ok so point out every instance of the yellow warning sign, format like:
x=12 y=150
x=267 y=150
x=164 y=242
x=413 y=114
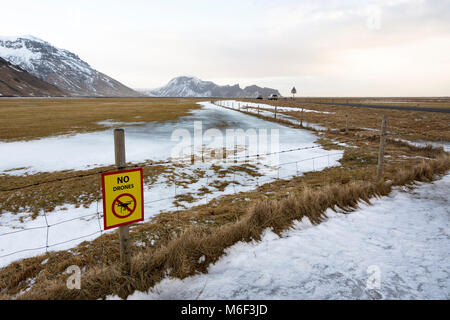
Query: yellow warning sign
x=123 y=198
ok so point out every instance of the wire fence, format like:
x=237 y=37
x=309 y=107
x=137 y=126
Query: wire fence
x=276 y=113
x=236 y=187
x=176 y=162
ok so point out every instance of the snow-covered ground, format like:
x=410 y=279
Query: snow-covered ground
x=235 y=104
x=443 y=144
x=151 y=140
x=269 y=111
x=145 y=141
x=398 y=248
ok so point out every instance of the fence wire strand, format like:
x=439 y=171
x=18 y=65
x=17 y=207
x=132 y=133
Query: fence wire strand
x=99 y=213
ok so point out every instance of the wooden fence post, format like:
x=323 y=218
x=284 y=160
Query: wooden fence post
x=381 y=149
x=203 y=157
x=346 y=124
x=124 y=231
x=301 y=119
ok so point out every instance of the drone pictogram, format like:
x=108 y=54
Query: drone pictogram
x=124 y=205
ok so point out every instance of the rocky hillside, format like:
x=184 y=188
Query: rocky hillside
x=194 y=87
x=60 y=67
x=16 y=82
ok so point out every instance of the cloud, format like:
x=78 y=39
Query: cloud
x=323 y=47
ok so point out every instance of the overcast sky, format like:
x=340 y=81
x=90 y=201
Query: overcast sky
x=324 y=48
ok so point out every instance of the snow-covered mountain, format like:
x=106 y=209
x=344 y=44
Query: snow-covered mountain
x=16 y=82
x=60 y=67
x=185 y=86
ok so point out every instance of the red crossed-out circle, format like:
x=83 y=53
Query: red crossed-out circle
x=118 y=203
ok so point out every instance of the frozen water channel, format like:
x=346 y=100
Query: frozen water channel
x=148 y=141
x=152 y=141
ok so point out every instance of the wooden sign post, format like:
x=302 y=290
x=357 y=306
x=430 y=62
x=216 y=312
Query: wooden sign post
x=123 y=199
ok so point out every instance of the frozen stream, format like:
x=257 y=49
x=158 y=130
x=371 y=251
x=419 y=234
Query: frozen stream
x=143 y=142
x=151 y=140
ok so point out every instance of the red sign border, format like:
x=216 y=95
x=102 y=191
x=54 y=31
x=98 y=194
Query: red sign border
x=104 y=202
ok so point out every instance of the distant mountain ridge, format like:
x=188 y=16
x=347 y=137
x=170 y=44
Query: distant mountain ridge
x=60 y=67
x=16 y=82
x=186 y=86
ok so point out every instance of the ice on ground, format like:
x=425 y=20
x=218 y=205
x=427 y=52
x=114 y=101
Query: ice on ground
x=269 y=111
x=111 y=123
x=243 y=104
x=444 y=144
x=144 y=142
x=149 y=141
x=395 y=249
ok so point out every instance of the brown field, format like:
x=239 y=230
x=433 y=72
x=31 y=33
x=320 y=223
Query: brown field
x=173 y=240
x=438 y=102
x=25 y=119
x=408 y=125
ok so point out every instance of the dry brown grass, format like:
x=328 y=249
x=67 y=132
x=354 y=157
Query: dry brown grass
x=409 y=125
x=25 y=119
x=428 y=102
x=176 y=240
x=64 y=190
x=82 y=188
x=178 y=256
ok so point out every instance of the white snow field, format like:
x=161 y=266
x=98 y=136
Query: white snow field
x=145 y=141
x=398 y=248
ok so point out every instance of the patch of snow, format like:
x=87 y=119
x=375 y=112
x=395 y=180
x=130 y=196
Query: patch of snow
x=261 y=109
x=20 y=55
x=111 y=123
x=235 y=104
x=149 y=141
x=444 y=144
x=396 y=248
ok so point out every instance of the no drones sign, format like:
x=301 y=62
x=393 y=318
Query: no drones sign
x=122 y=198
